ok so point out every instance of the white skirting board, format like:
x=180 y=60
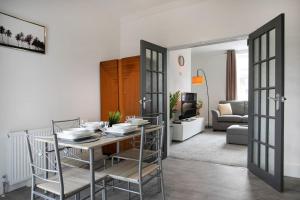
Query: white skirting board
x=292 y=170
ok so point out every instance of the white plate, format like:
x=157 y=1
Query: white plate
x=124 y=127
x=74 y=134
x=119 y=131
x=92 y=126
x=139 y=122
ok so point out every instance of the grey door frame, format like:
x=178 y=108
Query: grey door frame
x=153 y=47
x=276 y=180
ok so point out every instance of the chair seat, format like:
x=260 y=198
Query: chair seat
x=128 y=170
x=74 y=179
x=134 y=154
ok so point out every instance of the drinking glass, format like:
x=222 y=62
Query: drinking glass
x=106 y=125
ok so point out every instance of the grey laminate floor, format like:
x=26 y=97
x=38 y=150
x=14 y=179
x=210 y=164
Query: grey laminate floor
x=196 y=180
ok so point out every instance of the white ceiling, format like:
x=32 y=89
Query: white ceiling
x=236 y=45
x=127 y=7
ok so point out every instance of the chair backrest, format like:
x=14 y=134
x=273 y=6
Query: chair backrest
x=157 y=137
x=40 y=170
x=58 y=126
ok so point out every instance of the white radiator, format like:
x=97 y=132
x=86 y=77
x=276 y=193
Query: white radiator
x=18 y=159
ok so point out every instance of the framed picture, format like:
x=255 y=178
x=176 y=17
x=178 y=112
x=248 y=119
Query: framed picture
x=22 y=34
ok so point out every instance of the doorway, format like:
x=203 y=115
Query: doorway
x=260 y=151
x=210 y=145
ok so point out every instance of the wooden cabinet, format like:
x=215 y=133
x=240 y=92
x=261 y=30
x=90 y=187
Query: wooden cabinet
x=109 y=88
x=129 y=86
x=120 y=90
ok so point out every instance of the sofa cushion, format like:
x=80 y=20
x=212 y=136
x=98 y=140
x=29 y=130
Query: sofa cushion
x=230 y=118
x=238 y=107
x=225 y=109
x=246 y=107
x=245 y=119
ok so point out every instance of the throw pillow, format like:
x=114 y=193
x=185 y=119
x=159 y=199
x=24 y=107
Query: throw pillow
x=225 y=109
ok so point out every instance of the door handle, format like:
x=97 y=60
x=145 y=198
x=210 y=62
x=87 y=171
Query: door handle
x=144 y=101
x=278 y=99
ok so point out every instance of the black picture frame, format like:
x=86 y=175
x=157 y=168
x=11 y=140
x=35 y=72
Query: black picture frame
x=22 y=34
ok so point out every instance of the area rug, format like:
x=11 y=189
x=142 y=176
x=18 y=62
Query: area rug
x=210 y=146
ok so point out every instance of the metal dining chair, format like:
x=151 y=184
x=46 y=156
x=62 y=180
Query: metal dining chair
x=139 y=170
x=53 y=182
x=150 y=141
x=72 y=157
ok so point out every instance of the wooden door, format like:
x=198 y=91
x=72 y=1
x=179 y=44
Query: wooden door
x=129 y=87
x=266 y=102
x=120 y=90
x=129 y=91
x=109 y=88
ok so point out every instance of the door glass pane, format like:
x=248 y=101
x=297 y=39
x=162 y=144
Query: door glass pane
x=271 y=103
x=256 y=49
x=160 y=103
x=263 y=130
x=148 y=59
x=160 y=82
x=255 y=152
x=256 y=76
x=154 y=60
x=262 y=156
x=154 y=103
x=263 y=102
x=271 y=161
x=256 y=96
x=148 y=104
x=263 y=74
x=272 y=132
x=256 y=128
x=148 y=81
x=263 y=46
x=272 y=43
x=272 y=73
x=160 y=62
x=154 y=82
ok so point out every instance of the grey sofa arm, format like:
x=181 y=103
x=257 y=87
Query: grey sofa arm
x=215 y=115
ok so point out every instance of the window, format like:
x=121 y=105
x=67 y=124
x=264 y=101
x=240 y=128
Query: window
x=242 y=75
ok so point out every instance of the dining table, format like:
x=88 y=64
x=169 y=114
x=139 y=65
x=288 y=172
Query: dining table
x=103 y=140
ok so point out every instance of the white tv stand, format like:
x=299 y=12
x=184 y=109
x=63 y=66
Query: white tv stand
x=188 y=128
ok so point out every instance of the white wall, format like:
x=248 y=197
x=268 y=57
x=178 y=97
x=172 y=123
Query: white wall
x=194 y=21
x=179 y=77
x=214 y=66
x=64 y=83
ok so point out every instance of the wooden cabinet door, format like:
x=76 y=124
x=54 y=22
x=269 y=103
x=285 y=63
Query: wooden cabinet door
x=109 y=88
x=129 y=86
x=120 y=90
x=129 y=91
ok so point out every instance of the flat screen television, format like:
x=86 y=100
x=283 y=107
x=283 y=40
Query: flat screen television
x=188 y=105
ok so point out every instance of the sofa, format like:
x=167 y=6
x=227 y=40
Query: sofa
x=239 y=116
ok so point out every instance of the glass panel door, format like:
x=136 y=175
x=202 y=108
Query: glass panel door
x=266 y=81
x=154 y=83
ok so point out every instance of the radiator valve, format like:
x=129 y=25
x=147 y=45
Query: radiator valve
x=4 y=184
